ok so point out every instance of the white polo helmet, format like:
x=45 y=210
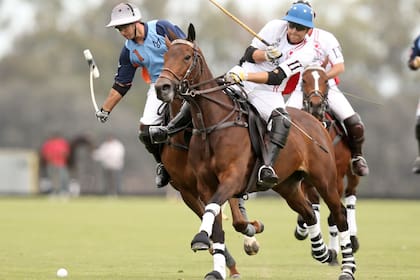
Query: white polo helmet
x=124 y=13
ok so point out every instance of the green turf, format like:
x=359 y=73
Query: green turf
x=144 y=238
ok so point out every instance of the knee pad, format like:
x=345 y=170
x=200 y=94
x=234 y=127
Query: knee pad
x=280 y=126
x=144 y=137
x=355 y=128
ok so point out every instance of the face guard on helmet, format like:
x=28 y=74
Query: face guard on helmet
x=301 y=14
x=124 y=13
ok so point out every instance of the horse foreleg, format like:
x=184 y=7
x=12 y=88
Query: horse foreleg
x=218 y=252
x=338 y=212
x=334 y=243
x=348 y=264
x=301 y=231
x=251 y=244
x=240 y=219
x=201 y=240
x=297 y=201
x=350 y=202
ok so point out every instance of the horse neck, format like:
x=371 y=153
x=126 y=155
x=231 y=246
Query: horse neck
x=212 y=106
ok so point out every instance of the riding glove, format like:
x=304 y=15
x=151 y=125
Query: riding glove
x=272 y=53
x=236 y=75
x=102 y=115
x=416 y=62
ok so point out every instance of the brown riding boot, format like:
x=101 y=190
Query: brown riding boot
x=355 y=131
x=267 y=177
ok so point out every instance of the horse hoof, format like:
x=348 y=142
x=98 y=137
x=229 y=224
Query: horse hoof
x=354 y=243
x=333 y=258
x=300 y=236
x=251 y=246
x=214 y=275
x=235 y=276
x=346 y=276
x=200 y=242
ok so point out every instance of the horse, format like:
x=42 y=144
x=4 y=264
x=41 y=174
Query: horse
x=315 y=90
x=222 y=157
x=174 y=155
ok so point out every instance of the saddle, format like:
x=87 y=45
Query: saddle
x=331 y=122
x=257 y=127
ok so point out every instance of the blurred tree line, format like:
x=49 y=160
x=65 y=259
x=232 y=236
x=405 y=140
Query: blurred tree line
x=45 y=86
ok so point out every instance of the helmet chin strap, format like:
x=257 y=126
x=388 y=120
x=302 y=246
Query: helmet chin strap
x=135 y=31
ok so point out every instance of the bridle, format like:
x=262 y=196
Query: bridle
x=184 y=84
x=187 y=89
x=315 y=92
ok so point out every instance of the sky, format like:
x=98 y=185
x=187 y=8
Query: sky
x=16 y=25
x=18 y=17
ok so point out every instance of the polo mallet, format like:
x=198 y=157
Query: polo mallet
x=240 y=23
x=93 y=73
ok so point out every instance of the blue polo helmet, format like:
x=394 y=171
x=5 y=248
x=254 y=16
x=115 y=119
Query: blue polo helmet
x=301 y=14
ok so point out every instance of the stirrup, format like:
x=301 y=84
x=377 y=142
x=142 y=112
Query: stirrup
x=359 y=166
x=267 y=176
x=162 y=176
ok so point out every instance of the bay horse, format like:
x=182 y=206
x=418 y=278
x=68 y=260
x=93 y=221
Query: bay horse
x=174 y=156
x=222 y=158
x=315 y=90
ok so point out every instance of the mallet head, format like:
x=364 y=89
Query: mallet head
x=89 y=58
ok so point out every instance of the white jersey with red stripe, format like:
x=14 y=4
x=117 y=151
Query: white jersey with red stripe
x=295 y=57
x=327 y=45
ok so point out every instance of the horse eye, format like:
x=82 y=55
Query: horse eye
x=187 y=57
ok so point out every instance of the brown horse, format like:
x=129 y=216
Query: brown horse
x=222 y=158
x=315 y=101
x=175 y=158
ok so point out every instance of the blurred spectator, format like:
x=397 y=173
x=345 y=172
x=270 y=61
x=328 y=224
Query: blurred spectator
x=110 y=154
x=54 y=155
x=414 y=64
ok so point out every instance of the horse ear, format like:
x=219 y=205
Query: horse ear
x=191 y=33
x=167 y=42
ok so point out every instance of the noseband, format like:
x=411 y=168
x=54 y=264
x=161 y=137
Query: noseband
x=185 y=84
x=315 y=92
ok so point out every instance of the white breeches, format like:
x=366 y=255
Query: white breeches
x=266 y=101
x=337 y=102
x=150 y=111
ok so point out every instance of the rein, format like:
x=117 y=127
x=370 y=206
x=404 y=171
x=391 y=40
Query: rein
x=188 y=90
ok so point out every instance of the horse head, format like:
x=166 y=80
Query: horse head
x=182 y=68
x=315 y=90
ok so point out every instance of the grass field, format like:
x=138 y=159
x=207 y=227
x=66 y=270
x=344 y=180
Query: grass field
x=149 y=238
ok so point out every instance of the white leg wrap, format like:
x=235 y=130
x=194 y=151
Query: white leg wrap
x=219 y=262
x=211 y=211
x=317 y=209
x=344 y=238
x=333 y=241
x=351 y=214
